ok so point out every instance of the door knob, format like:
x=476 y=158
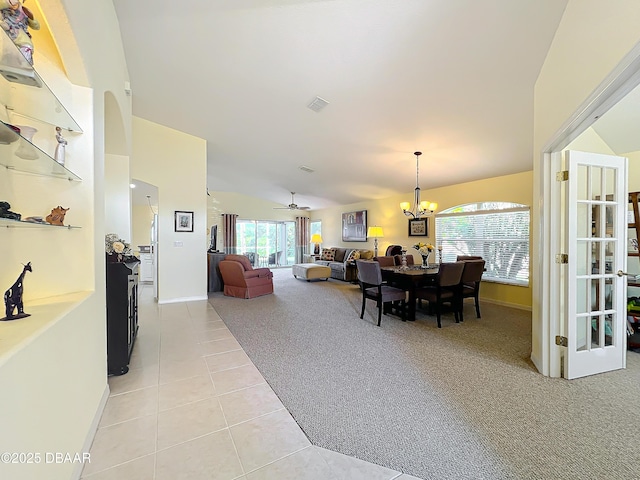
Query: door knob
x=621 y=274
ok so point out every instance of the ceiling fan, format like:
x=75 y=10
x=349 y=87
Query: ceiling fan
x=292 y=205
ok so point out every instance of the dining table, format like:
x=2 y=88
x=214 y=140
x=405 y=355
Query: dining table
x=410 y=278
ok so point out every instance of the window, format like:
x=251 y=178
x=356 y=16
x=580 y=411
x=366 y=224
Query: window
x=266 y=243
x=496 y=231
x=315 y=227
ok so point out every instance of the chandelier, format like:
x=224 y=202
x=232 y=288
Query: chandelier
x=420 y=208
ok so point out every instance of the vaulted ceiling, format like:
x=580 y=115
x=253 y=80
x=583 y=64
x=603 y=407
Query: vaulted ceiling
x=452 y=78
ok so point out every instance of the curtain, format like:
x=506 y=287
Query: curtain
x=302 y=238
x=229 y=240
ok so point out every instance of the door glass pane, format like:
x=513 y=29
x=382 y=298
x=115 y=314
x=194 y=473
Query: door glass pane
x=609 y=251
x=582 y=333
x=584 y=220
x=610 y=182
x=608 y=331
x=582 y=258
x=610 y=212
x=596 y=183
x=595 y=257
x=595 y=294
x=608 y=293
x=582 y=296
x=582 y=182
x=596 y=323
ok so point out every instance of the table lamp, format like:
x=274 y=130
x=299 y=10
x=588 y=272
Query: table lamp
x=317 y=239
x=375 y=233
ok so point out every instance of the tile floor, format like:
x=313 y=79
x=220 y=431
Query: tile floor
x=193 y=406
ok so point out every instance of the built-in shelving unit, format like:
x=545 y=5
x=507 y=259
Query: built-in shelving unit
x=24 y=95
x=8 y=223
x=33 y=159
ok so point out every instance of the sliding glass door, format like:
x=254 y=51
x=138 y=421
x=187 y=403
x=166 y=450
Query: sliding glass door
x=267 y=243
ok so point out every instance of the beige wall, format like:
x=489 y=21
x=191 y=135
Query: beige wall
x=117 y=196
x=592 y=39
x=175 y=162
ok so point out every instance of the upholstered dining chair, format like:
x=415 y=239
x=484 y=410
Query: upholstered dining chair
x=398 y=259
x=385 y=261
x=242 y=280
x=370 y=277
x=393 y=250
x=445 y=289
x=471 y=278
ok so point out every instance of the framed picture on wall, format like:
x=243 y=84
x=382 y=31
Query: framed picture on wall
x=354 y=226
x=183 y=221
x=418 y=227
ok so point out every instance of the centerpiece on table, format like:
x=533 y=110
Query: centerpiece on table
x=424 y=249
x=117 y=249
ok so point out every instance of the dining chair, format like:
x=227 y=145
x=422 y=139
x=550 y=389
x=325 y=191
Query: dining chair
x=471 y=278
x=393 y=250
x=373 y=288
x=445 y=289
x=386 y=261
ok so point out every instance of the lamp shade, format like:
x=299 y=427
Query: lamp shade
x=316 y=238
x=375 y=232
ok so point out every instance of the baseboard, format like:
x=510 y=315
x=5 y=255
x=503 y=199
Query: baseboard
x=505 y=304
x=77 y=471
x=183 y=299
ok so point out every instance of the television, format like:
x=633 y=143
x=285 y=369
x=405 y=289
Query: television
x=214 y=239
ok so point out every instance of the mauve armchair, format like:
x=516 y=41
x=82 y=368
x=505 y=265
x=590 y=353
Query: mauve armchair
x=242 y=280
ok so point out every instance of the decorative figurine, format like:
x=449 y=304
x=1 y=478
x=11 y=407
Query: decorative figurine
x=16 y=20
x=56 y=217
x=26 y=150
x=13 y=297
x=60 y=148
x=6 y=213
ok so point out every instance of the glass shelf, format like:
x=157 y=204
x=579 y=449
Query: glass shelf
x=23 y=91
x=8 y=223
x=18 y=153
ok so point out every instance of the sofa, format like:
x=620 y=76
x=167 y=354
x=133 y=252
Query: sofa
x=242 y=280
x=342 y=261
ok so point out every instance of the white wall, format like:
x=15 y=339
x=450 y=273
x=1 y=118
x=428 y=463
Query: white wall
x=592 y=38
x=175 y=162
x=117 y=196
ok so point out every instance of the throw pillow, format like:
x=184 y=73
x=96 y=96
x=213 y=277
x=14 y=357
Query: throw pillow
x=328 y=254
x=366 y=254
x=354 y=255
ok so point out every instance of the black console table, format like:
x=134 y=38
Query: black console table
x=122 y=314
x=215 y=283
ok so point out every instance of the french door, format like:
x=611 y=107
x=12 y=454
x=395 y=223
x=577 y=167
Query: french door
x=594 y=238
x=266 y=243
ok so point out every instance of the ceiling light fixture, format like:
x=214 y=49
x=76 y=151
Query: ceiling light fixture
x=420 y=208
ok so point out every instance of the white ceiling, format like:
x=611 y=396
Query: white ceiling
x=452 y=78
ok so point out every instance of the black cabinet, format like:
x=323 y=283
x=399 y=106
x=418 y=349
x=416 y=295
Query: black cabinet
x=215 y=283
x=122 y=314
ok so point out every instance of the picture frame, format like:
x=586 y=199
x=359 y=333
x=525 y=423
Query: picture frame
x=183 y=221
x=354 y=226
x=418 y=227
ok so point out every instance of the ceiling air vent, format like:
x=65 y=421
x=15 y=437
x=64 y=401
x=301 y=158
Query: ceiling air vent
x=318 y=104
x=304 y=168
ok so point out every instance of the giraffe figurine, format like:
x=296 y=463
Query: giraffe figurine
x=13 y=297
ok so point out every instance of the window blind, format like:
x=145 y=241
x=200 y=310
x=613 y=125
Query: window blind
x=500 y=236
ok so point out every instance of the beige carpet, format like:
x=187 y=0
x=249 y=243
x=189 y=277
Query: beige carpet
x=459 y=402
